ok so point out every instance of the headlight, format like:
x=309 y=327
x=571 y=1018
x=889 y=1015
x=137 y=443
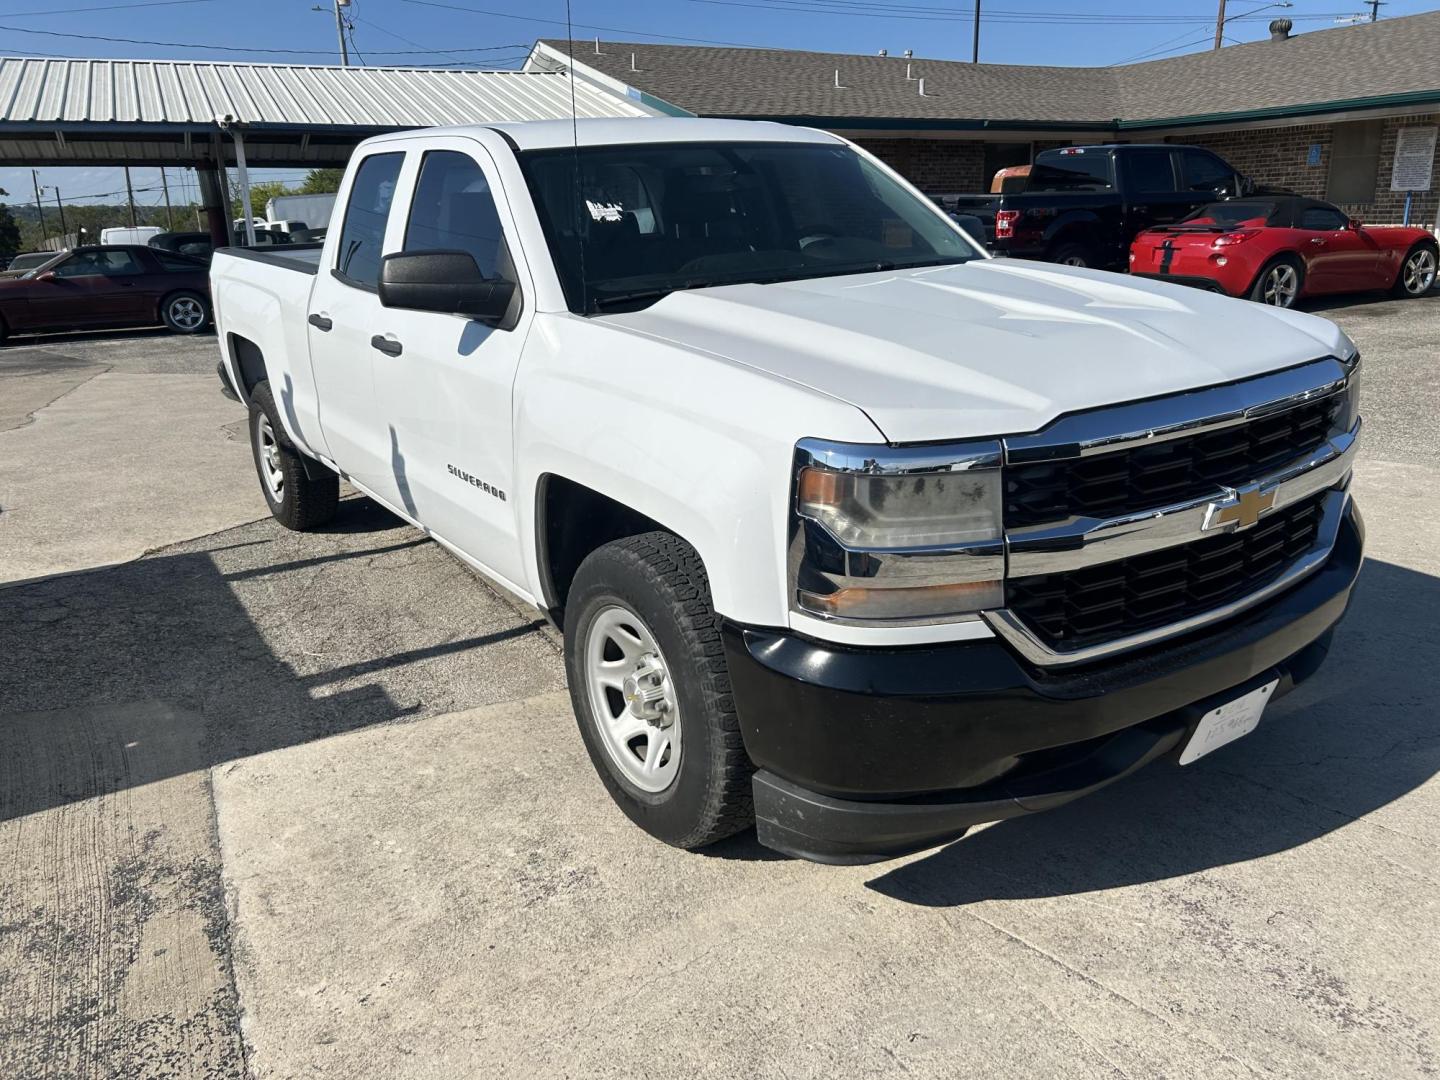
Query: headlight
x=887 y=535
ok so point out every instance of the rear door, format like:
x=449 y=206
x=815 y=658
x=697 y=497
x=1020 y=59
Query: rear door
x=343 y=312
x=445 y=399
x=1152 y=189
x=1338 y=258
x=1205 y=177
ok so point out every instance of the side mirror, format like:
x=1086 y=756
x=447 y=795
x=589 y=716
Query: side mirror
x=1244 y=186
x=449 y=282
x=48 y=275
x=1354 y=223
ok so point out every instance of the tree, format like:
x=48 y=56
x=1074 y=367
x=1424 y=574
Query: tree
x=260 y=194
x=321 y=182
x=9 y=231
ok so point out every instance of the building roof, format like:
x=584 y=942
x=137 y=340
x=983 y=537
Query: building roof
x=170 y=94
x=1387 y=62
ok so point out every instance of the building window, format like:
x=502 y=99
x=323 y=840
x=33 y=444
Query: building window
x=1354 y=161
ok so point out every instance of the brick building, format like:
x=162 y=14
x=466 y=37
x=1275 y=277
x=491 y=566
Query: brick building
x=1317 y=113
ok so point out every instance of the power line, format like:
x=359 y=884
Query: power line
x=585 y=26
x=103 y=7
x=216 y=48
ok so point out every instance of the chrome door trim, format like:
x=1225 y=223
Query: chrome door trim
x=1014 y=630
x=1084 y=542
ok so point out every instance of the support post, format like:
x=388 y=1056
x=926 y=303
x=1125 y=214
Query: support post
x=244 y=185
x=217 y=206
x=39 y=207
x=975 y=37
x=169 y=214
x=64 y=231
x=130 y=195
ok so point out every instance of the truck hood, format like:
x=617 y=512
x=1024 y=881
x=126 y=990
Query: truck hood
x=985 y=348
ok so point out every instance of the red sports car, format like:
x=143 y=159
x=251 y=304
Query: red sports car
x=1276 y=249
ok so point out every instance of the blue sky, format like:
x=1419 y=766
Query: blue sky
x=413 y=32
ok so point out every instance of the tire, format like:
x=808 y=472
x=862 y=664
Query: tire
x=1279 y=283
x=297 y=501
x=654 y=587
x=185 y=312
x=1417 y=272
x=1074 y=253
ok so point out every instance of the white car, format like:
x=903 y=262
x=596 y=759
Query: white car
x=853 y=531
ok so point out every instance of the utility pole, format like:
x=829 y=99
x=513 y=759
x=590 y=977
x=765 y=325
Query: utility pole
x=64 y=229
x=1375 y=9
x=130 y=194
x=975 y=37
x=165 y=187
x=340 y=29
x=1220 y=25
x=39 y=207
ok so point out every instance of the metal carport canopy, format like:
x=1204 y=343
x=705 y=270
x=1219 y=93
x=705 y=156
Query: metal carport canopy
x=168 y=112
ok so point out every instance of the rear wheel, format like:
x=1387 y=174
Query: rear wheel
x=652 y=693
x=1074 y=253
x=296 y=500
x=1279 y=283
x=185 y=312
x=1417 y=271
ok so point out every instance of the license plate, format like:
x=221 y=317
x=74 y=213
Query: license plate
x=1227 y=723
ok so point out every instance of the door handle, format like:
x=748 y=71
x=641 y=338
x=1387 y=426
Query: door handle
x=321 y=322
x=1318 y=241
x=389 y=346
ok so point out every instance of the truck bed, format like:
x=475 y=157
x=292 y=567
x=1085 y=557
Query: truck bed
x=302 y=257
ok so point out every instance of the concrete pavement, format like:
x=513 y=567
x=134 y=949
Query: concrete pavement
x=314 y=805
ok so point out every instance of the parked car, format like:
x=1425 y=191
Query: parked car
x=853 y=531
x=92 y=287
x=1278 y=249
x=1082 y=205
x=26 y=261
x=139 y=234
x=198 y=244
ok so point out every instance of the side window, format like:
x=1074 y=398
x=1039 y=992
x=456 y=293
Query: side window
x=1322 y=219
x=362 y=234
x=173 y=263
x=1150 y=172
x=112 y=262
x=453 y=210
x=1205 y=172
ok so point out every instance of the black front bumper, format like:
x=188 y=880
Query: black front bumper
x=865 y=754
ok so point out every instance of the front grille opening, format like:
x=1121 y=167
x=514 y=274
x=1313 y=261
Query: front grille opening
x=1098 y=604
x=1109 y=485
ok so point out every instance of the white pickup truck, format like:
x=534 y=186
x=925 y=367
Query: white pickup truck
x=853 y=531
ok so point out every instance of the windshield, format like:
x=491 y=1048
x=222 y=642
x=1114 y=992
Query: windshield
x=643 y=221
x=1231 y=214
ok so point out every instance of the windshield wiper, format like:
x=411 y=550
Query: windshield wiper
x=598 y=303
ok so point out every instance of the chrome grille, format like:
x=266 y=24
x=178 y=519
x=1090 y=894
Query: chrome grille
x=1162 y=473
x=1099 y=603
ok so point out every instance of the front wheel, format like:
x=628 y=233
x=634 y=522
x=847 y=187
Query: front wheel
x=1279 y=283
x=185 y=312
x=1417 y=272
x=651 y=691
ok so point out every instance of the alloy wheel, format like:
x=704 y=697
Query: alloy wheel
x=187 y=313
x=1281 y=286
x=632 y=698
x=1418 y=273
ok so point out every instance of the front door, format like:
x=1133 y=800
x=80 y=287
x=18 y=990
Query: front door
x=344 y=310
x=1338 y=258
x=446 y=398
x=94 y=287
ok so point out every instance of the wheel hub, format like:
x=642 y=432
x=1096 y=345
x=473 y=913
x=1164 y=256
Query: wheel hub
x=645 y=692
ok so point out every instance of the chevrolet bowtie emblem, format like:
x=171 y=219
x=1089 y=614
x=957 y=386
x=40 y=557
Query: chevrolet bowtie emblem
x=1242 y=508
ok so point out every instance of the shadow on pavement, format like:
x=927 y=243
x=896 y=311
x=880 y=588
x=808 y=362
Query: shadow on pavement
x=19 y=341
x=1361 y=734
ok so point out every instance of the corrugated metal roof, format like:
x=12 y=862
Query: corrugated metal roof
x=164 y=92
